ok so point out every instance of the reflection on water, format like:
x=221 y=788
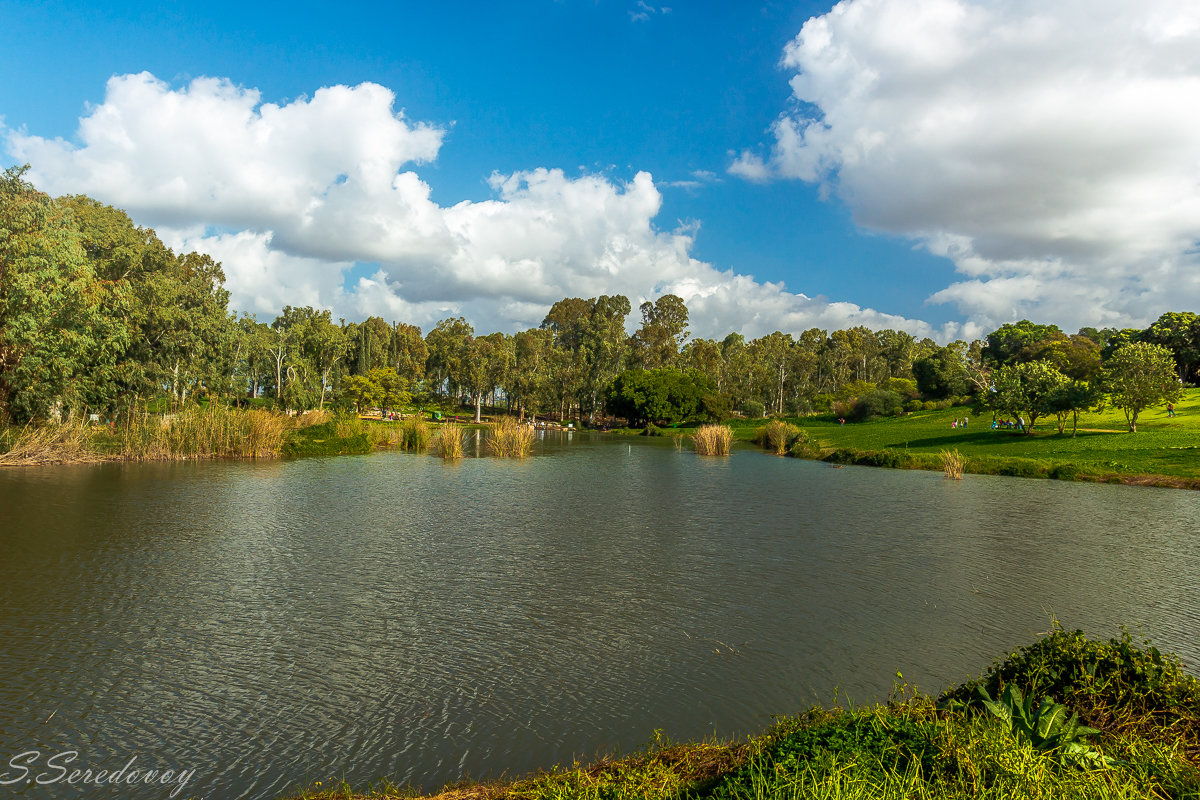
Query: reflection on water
x=393 y=615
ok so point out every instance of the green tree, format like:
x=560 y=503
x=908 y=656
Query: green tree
x=49 y=306
x=942 y=373
x=446 y=365
x=1028 y=388
x=662 y=395
x=663 y=332
x=1179 y=332
x=1139 y=375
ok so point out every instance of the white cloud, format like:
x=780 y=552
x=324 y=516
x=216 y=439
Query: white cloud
x=1051 y=149
x=306 y=190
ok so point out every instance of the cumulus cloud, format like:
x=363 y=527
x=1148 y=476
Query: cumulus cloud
x=1052 y=150
x=291 y=197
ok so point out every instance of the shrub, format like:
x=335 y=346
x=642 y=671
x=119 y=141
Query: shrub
x=754 y=409
x=878 y=403
x=1113 y=685
x=716 y=407
x=652 y=430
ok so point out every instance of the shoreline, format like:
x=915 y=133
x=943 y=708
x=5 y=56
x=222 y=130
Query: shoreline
x=1140 y=707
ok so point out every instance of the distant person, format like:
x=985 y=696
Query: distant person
x=1170 y=409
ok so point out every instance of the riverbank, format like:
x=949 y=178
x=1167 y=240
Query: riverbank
x=1164 y=452
x=1065 y=717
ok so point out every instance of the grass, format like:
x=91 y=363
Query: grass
x=510 y=439
x=1147 y=710
x=448 y=440
x=713 y=440
x=1164 y=452
x=952 y=464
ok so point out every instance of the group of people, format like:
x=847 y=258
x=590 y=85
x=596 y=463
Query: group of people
x=1008 y=424
x=959 y=423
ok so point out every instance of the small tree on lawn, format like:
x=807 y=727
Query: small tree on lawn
x=1029 y=388
x=1140 y=375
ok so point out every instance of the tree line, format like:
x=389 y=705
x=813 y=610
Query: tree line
x=97 y=315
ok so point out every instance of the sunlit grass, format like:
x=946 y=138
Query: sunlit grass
x=713 y=440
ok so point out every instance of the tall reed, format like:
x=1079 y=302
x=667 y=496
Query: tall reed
x=713 y=440
x=448 y=440
x=777 y=436
x=415 y=434
x=953 y=463
x=510 y=439
x=215 y=432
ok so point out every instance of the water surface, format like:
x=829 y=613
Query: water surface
x=270 y=624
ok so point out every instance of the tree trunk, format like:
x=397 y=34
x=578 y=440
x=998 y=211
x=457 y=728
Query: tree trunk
x=478 y=406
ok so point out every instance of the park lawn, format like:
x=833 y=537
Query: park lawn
x=1103 y=446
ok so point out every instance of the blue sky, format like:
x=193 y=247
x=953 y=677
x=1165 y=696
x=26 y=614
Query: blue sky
x=862 y=214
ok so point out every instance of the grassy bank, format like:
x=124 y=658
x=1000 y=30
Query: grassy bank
x=1064 y=717
x=1164 y=452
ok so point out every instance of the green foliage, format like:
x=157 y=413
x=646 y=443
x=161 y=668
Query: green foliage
x=941 y=374
x=716 y=407
x=1140 y=375
x=1028 y=389
x=753 y=409
x=1046 y=726
x=1113 y=685
x=658 y=395
x=878 y=403
x=345 y=436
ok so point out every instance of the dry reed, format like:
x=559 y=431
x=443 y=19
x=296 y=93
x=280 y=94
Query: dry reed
x=777 y=436
x=510 y=439
x=448 y=441
x=215 y=432
x=953 y=463
x=713 y=440
x=69 y=443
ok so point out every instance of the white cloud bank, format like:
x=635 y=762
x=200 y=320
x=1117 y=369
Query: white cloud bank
x=289 y=197
x=1052 y=150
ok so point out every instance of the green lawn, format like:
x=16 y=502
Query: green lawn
x=1162 y=445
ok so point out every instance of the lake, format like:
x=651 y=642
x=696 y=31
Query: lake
x=275 y=623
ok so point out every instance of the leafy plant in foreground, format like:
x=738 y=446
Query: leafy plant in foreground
x=1046 y=726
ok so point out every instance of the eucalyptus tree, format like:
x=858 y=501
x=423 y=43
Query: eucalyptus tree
x=445 y=366
x=662 y=333
x=590 y=336
x=408 y=353
x=530 y=379
x=772 y=355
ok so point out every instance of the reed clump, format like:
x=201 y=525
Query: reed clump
x=510 y=439
x=315 y=417
x=415 y=435
x=777 y=436
x=448 y=440
x=713 y=440
x=213 y=432
x=67 y=443
x=953 y=463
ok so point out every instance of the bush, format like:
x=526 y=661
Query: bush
x=754 y=409
x=878 y=403
x=716 y=407
x=1113 y=685
x=652 y=430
